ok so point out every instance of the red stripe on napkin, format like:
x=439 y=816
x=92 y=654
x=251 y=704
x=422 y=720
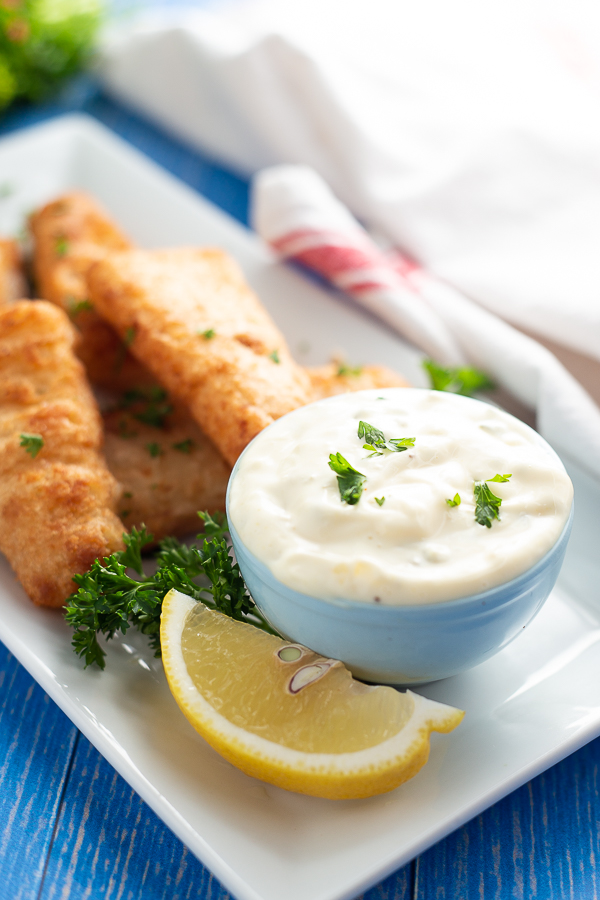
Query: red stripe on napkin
x=350 y=261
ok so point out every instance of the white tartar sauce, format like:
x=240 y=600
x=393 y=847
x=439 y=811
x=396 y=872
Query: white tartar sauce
x=411 y=546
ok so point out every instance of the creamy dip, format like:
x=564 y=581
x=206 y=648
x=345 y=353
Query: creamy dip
x=412 y=547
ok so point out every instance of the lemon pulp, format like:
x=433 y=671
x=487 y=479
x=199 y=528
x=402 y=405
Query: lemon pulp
x=239 y=671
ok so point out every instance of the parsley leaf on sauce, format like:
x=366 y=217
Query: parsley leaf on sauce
x=350 y=481
x=373 y=436
x=400 y=444
x=376 y=442
x=487 y=504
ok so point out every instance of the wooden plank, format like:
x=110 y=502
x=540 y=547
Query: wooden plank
x=398 y=886
x=542 y=841
x=108 y=845
x=36 y=746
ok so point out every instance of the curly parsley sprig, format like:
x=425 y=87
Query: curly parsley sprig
x=109 y=599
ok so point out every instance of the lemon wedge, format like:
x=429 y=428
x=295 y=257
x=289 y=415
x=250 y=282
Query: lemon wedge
x=288 y=716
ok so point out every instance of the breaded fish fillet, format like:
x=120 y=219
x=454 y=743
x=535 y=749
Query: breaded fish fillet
x=168 y=473
x=169 y=469
x=13 y=285
x=57 y=498
x=190 y=317
x=70 y=234
x=335 y=378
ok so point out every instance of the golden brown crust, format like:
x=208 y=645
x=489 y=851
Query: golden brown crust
x=70 y=234
x=13 y=285
x=57 y=509
x=165 y=491
x=326 y=381
x=236 y=380
x=168 y=474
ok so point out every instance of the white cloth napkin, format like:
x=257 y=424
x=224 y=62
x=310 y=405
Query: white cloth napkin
x=466 y=133
x=295 y=212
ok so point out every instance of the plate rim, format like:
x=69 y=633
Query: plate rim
x=74 y=125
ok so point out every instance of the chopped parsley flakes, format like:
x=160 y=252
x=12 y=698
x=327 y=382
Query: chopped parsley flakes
x=185 y=446
x=61 y=247
x=464 y=380
x=154 y=449
x=78 y=306
x=150 y=405
x=344 y=370
x=125 y=431
x=32 y=443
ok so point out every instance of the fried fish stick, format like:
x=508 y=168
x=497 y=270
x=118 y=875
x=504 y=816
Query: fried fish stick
x=190 y=317
x=57 y=498
x=70 y=234
x=167 y=473
x=13 y=286
x=339 y=379
x=170 y=469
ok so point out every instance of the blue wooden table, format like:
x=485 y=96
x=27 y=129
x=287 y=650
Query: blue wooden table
x=71 y=828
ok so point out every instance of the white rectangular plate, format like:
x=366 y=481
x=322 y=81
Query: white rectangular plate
x=528 y=707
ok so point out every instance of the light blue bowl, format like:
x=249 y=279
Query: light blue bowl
x=404 y=644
